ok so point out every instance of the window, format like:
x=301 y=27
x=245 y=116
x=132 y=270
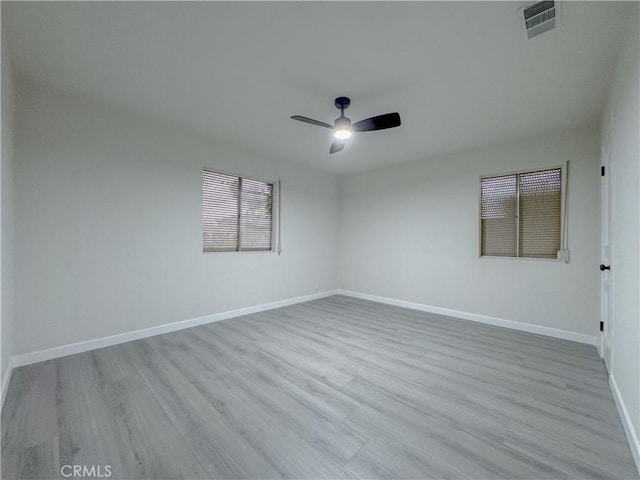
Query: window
x=521 y=214
x=236 y=213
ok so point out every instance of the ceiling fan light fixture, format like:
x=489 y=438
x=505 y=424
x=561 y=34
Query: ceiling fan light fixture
x=342 y=129
x=342 y=133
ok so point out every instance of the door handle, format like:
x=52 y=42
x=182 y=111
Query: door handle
x=604 y=267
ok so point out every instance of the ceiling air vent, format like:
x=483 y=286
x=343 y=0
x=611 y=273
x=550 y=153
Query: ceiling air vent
x=539 y=17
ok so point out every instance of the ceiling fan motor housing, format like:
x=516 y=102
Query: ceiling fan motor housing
x=342 y=122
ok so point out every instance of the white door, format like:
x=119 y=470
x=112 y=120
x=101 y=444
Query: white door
x=606 y=274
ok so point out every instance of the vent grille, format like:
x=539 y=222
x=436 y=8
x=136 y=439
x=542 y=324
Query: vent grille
x=539 y=17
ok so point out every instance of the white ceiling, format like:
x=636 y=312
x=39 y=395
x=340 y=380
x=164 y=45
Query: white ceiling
x=460 y=74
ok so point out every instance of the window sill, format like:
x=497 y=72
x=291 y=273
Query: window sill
x=555 y=260
x=241 y=251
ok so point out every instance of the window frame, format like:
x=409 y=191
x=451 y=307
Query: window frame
x=563 y=206
x=275 y=213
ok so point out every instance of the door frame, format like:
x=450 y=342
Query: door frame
x=607 y=254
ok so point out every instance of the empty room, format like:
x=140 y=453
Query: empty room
x=320 y=240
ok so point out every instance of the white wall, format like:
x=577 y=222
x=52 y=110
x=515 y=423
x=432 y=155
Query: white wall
x=411 y=233
x=620 y=130
x=108 y=225
x=7 y=221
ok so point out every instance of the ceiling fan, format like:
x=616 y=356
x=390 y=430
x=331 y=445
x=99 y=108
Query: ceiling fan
x=343 y=129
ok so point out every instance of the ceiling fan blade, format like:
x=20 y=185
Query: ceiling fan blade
x=380 y=122
x=337 y=146
x=300 y=118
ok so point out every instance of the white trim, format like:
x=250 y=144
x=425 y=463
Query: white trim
x=64 y=350
x=632 y=436
x=563 y=195
x=474 y=317
x=6 y=379
x=599 y=343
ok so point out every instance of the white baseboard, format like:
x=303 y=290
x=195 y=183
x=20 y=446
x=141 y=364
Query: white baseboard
x=599 y=346
x=632 y=435
x=64 y=350
x=524 y=327
x=6 y=378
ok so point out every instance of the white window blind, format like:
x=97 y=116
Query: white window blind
x=521 y=214
x=540 y=207
x=498 y=205
x=237 y=213
x=255 y=215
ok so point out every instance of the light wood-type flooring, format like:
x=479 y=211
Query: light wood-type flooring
x=333 y=388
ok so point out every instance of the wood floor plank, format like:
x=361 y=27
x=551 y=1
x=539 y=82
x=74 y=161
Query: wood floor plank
x=387 y=459
x=29 y=416
x=294 y=413
x=335 y=388
x=473 y=454
x=328 y=401
x=185 y=407
x=289 y=452
x=40 y=461
x=575 y=461
x=224 y=453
